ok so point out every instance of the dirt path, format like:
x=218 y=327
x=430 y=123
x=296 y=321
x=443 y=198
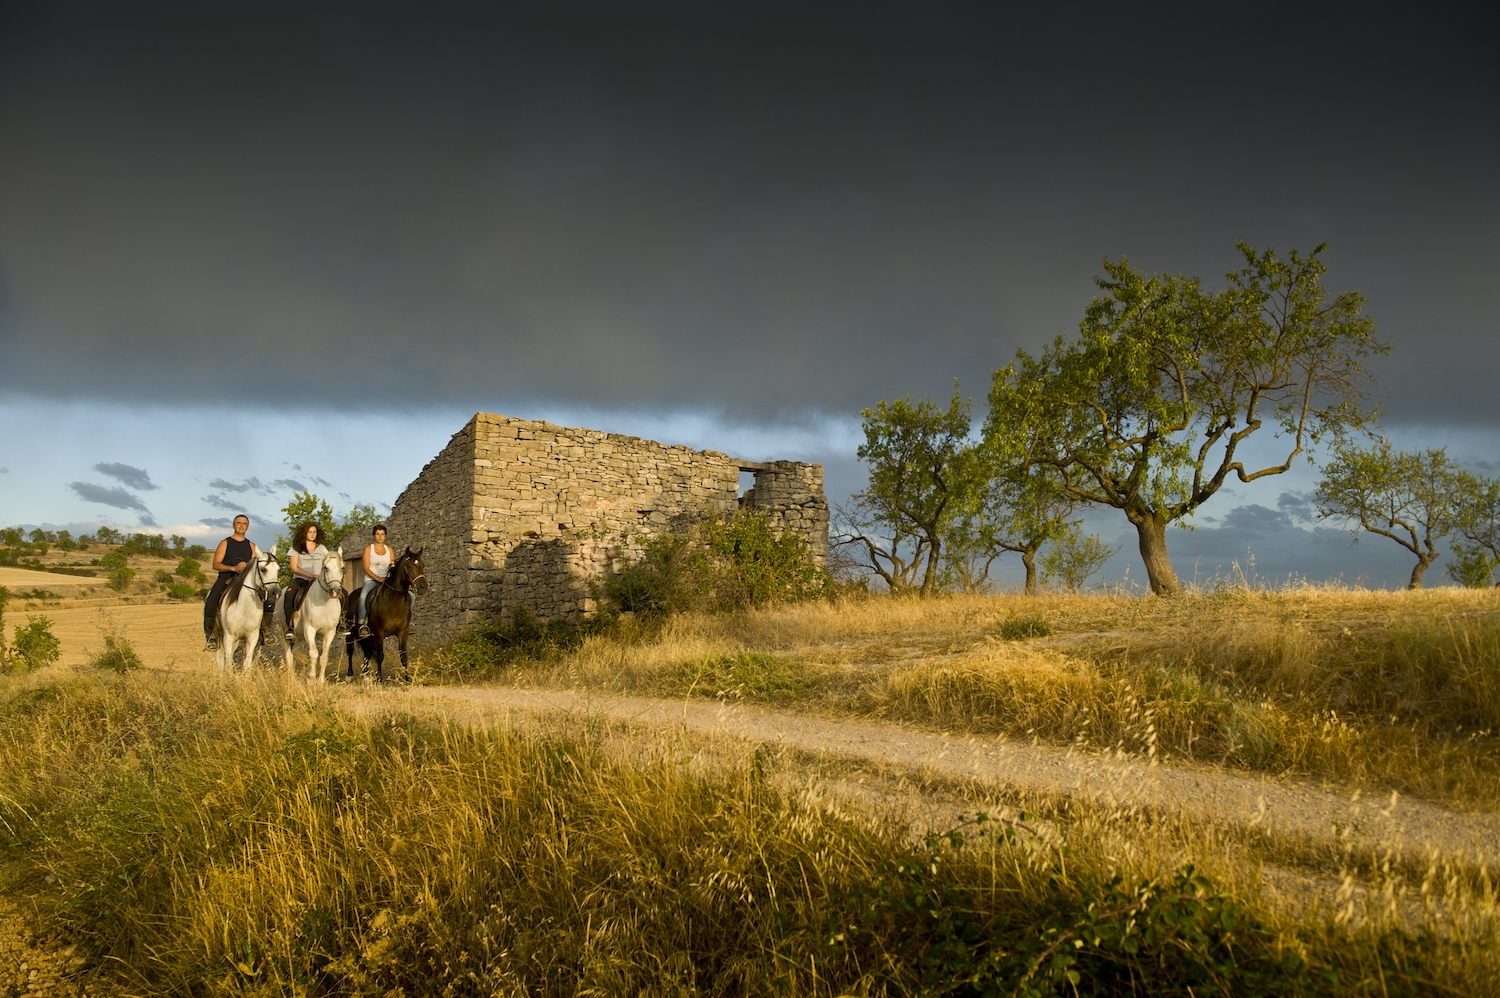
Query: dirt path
x=33 y=970
x=1413 y=827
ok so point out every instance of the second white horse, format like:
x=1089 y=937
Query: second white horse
x=317 y=619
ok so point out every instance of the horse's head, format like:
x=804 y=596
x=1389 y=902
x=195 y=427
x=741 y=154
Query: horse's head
x=332 y=573
x=267 y=568
x=413 y=575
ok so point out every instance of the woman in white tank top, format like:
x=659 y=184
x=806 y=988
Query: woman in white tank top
x=377 y=565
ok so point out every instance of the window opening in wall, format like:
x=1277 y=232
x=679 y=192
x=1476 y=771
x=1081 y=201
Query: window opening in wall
x=747 y=481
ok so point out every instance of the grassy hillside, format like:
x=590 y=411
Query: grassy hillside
x=248 y=839
x=1379 y=690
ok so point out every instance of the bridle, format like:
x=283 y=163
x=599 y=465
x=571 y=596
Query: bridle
x=411 y=582
x=323 y=581
x=258 y=585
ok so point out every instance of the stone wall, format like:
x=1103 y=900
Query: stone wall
x=515 y=513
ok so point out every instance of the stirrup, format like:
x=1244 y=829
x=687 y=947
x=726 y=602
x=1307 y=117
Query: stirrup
x=364 y=630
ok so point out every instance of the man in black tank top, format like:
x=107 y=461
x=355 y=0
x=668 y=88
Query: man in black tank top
x=233 y=554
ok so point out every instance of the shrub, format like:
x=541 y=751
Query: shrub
x=114 y=559
x=120 y=578
x=118 y=655
x=182 y=590
x=723 y=564
x=755 y=565
x=196 y=551
x=35 y=644
x=65 y=541
x=493 y=646
x=1021 y=628
x=163 y=576
x=189 y=568
x=671 y=576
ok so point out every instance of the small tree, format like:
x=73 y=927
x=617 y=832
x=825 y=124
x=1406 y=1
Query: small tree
x=35 y=645
x=1011 y=507
x=918 y=456
x=1477 y=522
x=1411 y=497
x=1075 y=556
x=1146 y=411
x=306 y=506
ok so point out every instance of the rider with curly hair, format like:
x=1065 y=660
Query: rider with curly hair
x=306 y=562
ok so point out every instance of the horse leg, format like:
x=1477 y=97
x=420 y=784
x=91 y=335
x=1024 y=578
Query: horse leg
x=326 y=647
x=251 y=644
x=287 y=658
x=401 y=642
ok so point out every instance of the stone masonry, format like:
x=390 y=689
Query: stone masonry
x=515 y=513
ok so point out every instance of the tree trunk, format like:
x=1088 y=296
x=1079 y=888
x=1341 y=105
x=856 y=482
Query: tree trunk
x=1419 y=569
x=1152 y=531
x=1028 y=558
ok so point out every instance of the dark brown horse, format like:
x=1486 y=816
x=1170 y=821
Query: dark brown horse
x=388 y=612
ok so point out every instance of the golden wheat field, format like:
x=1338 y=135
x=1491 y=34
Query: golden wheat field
x=192 y=834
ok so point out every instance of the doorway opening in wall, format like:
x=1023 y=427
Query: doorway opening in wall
x=747 y=481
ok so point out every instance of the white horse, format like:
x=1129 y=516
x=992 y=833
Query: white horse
x=242 y=609
x=317 y=619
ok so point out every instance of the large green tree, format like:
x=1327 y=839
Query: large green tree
x=1147 y=409
x=1410 y=497
x=918 y=456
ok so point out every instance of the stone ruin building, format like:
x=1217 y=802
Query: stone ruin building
x=515 y=513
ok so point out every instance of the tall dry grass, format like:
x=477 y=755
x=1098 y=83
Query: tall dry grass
x=238 y=839
x=1382 y=690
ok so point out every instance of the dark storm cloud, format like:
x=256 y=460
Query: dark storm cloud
x=755 y=206
x=136 y=478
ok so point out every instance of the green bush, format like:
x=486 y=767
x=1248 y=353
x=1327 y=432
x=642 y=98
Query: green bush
x=163 y=576
x=120 y=578
x=189 y=568
x=114 y=559
x=196 y=551
x=35 y=645
x=723 y=564
x=182 y=590
x=1021 y=628
x=490 y=647
x=118 y=655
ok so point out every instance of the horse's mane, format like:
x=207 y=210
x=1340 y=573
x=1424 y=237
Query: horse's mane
x=235 y=584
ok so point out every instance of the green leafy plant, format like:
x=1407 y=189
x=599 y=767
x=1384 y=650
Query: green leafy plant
x=35 y=645
x=1073 y=557
x=120 y=578
x=1021 y=628
x=118 y=655
x=182 y=590
x=189 y=568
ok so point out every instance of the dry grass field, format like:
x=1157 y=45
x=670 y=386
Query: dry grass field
x=255 y=836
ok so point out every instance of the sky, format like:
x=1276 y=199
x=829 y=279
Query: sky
x=248 y=247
